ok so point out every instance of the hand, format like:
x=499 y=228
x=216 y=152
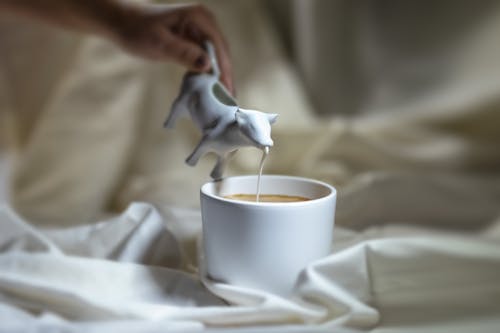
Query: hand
x=176 y=33
x=154 y=31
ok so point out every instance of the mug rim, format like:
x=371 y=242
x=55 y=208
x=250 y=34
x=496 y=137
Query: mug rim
x=332 y=193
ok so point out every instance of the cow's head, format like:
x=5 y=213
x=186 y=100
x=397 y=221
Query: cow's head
x=256 y=126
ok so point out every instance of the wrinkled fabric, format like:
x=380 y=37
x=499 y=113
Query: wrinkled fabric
x=135 y=268
x=416 y=247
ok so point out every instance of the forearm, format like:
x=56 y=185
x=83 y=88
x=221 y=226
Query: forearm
x=95 y=16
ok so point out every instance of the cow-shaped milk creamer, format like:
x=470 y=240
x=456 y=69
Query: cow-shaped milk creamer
x=224 y=125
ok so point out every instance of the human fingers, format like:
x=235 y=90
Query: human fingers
x=200 y=25
x=185 y=52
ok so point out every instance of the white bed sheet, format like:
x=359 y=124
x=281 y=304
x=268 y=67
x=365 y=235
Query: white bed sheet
x=135 y=273
x=432 y=162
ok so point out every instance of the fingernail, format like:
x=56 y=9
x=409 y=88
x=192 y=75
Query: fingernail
x=201 y=62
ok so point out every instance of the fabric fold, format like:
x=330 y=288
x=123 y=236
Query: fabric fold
x=126 y=269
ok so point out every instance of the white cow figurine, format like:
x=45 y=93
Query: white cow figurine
x=224 y=125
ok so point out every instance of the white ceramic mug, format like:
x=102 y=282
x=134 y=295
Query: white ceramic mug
x=264 y=245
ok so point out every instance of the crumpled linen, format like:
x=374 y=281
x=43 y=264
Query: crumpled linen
x=410 y=176
x=136 y=272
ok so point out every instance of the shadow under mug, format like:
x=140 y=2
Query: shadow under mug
x=265 y=245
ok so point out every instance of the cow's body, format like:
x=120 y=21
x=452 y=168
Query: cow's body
x=225 y=127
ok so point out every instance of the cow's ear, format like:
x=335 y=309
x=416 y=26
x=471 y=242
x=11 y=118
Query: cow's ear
x=272 y=117
x=241 y=117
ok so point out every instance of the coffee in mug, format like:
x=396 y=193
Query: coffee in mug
x=267 y=197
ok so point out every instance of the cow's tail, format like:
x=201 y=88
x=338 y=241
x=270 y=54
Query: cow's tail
x=213 y=59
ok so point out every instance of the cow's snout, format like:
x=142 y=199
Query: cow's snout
x=267 y=143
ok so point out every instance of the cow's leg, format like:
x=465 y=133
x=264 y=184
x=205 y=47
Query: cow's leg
x=218 y=170
x=199 y=151
x=216 y=173
x=179 y=106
